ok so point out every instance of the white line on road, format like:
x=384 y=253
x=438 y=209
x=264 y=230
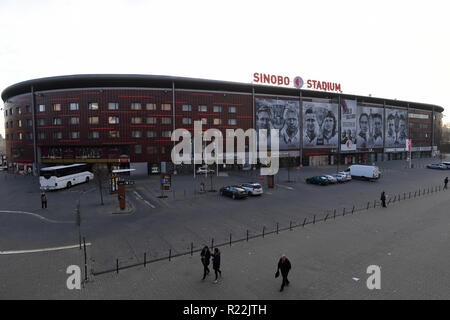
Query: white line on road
x=141 y=198
x=43 y=250
x=36 y=216
x=286 y=187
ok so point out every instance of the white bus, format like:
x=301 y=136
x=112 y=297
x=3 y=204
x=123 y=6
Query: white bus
x=60 y=177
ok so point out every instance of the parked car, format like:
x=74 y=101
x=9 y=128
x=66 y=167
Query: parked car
x=235 y=192
x=204 y=170
x=340 y=177
x=330 y=178
x=347 y=175
x=318 y=180
x=439 y=166
x=364 y=172
x=254 y=189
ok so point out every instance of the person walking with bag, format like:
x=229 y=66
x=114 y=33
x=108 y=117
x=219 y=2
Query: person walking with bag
x=284 y=265
x=445 y=182
x=216 y=263
x=205 y=257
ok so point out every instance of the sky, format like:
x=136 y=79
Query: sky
x=390 y=49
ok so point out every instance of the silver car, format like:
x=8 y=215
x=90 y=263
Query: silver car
x=254 y=189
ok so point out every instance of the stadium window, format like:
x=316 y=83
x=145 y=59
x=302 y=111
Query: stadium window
x=217 y=108
x=57 y=121
x=187 y=120
x=138 y=149
x=94 y=135
x=151 y=134
x=232 y=109
x=136 y=120
x=42 y=108
x=166 y=107
x=75 y=135
x=203 y=108
x=27 y=109
x=19 y=123
x=166 y=120
x=136 y=106
x=93 y=120
x=41 y=122
x=232 y=122
x=57 y=107
x=93 y=106
x=20 y=136
x=151 y=150
x=57 y=135
x=217 y=121
x=74 y=120
x=41 y=135
x=166 y=134
x=204 y=121
x=150 y=106
x=113 y=120
x=136 y=134
x=151 y=120
x=113 y=106
x=73 y=106
x=187 y=107
x=114 y=134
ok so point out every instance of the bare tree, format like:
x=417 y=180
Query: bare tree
x=101 y=175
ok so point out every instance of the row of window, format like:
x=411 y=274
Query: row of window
x=115 y=120
x=57 y=107
x=92 y=135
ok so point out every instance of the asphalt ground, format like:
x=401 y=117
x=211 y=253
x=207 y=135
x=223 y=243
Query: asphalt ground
x=184 y=218
x=408 y=241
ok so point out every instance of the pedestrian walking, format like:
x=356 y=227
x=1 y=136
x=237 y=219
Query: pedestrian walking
x=216 y=263
x=205 y=256
x=284 y=265
x=383 y=199
x=445 y=182
x=44 y=200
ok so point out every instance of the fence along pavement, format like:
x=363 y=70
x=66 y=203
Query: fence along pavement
x=329 y=214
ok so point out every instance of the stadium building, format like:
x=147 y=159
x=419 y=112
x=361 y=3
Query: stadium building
x=127 y=121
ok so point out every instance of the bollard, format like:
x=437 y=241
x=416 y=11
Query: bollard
x=314 y=219
x=264 y=229
x=368 y=204
x=374 y=204
x=145 y=259
x=247 y=235
x=334 y=214
x=230 y=239
x=290 y=225
x=170 y=254
x=117 y=265
x=353 y=210
x=304 y=221
x=404 y=196
x=212 y=243
x=415 y=192
x=277 y=227
x=325 y=218
x=192 y=248
x=343 y=212
x=410 y=195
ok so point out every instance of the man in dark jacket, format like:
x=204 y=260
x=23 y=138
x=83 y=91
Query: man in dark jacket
x=383 y=199
x=284 y=265
x=445 y=182
x=43 y=200
x=216 y=263
x=205 y=256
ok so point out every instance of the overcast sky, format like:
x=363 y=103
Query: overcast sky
x=389 y=49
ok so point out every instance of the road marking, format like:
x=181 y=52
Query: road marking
x=43 y=250
x=36 y=216
x=286 y=187
x=141 y=198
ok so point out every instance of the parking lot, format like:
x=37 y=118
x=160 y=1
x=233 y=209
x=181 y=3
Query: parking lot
x=156 y=226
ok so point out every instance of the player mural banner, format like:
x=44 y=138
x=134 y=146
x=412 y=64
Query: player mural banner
x=283 y=115
x=369 y=128
x=320 y=125
x=396 y=132
x=348 y=125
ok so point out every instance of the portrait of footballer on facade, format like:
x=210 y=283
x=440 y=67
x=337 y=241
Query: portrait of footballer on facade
x=370 y=128
x=320 y=125
x=396 y=128
x=283 y=115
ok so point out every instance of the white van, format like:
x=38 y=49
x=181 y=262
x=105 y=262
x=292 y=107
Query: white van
x=364 y=172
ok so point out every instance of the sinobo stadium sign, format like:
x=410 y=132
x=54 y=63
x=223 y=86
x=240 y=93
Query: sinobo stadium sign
x=298 y=82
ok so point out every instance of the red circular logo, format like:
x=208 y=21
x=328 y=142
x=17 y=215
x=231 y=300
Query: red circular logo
x=298 y=82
